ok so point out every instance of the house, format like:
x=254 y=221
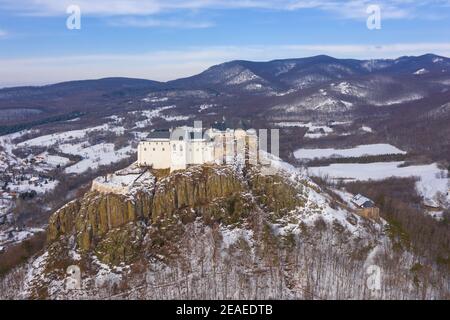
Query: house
x=39 y=158
x=183 y=146
x=366 y=207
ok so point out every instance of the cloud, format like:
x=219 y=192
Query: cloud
x=172 y=64
x=147 y=22
x=355 y=9
x=3 y=34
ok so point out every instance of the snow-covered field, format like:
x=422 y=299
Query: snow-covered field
x=40 y=187
x=150 y=115
x=359 y=151
x=61 y=137
x=318 y=130
x=50 y=162
x=367 y=129
x=11 y=235
x=314 y=130
x=432 y=180
x=95 y=156
x=403 y=99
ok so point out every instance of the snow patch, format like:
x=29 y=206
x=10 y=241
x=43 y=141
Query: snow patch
x=359 y=151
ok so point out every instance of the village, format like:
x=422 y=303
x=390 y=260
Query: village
x=22 y=182
x=26 y=179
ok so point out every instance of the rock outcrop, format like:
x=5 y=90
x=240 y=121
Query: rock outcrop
x=217 y=232
x=113 y=225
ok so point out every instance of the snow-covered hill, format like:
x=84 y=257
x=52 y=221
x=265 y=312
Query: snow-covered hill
x=216 y=232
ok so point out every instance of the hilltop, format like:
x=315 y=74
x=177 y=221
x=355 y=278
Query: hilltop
x=214 y=232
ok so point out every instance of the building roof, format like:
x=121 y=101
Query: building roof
x=185 y=133
x=203 y=135
x=362 y=201
x=159 y=135
x=221 y=126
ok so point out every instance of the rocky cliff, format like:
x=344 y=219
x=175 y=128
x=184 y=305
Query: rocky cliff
x=114 y=225
x=216 y=232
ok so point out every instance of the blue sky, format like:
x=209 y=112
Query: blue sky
x=163 y=40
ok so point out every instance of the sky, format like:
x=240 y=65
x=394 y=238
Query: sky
x=168 y=39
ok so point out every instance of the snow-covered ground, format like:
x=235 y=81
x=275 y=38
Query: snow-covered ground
x=95 y=156
x=49 y=162
x=206 y=106
x=12 y=235
x=421 y=71
x=40 y=187
x=367 y=129
x=61 y=137
x=314 y=130
x=403 y=99
x=150 y=115
x=432 y=180
x=7 y=158
x=346 y=88
x=359 y=151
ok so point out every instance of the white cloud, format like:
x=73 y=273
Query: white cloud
x=167 y=65
x=147 y=22
x=394 y=9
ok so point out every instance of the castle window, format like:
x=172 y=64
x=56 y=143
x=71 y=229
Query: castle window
x=154 y=149
x=181 y=147
x=174 y=147
x=163 y=149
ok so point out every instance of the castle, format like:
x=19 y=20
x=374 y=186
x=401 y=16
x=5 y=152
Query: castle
x=183 y=146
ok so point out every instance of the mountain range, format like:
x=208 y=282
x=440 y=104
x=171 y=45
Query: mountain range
x=393 y=95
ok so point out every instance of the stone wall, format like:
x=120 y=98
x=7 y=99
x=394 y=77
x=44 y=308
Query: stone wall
x=107 y=188
x=370 y=213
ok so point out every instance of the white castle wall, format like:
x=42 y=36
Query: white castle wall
x=179 y=159
x=154 y=153
x=180 y=152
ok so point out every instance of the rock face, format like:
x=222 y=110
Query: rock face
x=114 y=225
x=219 y=232
x=204 y=190
x=93 y=216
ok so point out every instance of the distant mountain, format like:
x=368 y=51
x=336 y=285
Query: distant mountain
x=394 y=90
x=302 y=73
x=81 y=86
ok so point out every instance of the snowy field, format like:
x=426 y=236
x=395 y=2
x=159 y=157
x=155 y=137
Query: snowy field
x=359 y=151
x=96 y=156
x=150 y=115
x=11 y=235
x=432 y=180
x=26 y=186
x=315 y=131
x=309 y=125
x=50 y=162
x=61 y=137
